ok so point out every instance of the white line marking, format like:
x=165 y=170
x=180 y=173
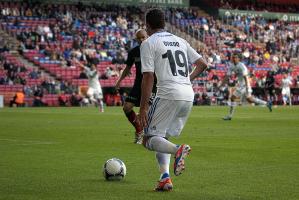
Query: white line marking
x=28 y=142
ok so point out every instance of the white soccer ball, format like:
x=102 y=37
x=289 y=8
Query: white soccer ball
x=114 y=169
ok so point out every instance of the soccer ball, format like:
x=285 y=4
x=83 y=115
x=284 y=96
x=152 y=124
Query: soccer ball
x=114 y=169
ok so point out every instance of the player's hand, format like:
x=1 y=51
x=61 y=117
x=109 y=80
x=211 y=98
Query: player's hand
x=142 y=118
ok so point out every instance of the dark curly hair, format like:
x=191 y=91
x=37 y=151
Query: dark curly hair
x=155 y=18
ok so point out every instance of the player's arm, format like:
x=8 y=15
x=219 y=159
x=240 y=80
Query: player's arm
x=200 y=66
x=195 y=58
x=126 y=71
x=82 y=67
x=146 y=92
x=148 y=69
x=124 y=74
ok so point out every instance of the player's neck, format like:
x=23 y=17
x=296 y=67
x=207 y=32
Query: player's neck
x=158 y=30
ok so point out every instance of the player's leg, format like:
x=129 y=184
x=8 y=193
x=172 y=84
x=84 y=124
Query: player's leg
x=101 y=104
x=100 y=99
x=133 y=99
x=167 y=117
x=289 y=96
x=257 y=101
x=160 y=145
x=155 y=140
x=284 y=96
x=232 y=107
x=90 y=94
x=160 y=116
x=98 y=96
x=164 y=183
x=271 y=94
x=177 y=124
x=132 y=117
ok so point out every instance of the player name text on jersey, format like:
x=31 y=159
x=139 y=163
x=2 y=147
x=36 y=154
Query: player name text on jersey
x=172 y=44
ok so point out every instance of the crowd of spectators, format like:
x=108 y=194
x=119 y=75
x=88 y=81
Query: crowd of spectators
x=266 y=45
x=94 y=33
x=100 y=32
x=258 y=6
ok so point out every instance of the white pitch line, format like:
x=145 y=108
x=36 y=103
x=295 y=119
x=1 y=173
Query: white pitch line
x=28 y=142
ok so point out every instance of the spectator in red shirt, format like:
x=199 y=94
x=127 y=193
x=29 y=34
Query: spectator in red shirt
x=62 y=99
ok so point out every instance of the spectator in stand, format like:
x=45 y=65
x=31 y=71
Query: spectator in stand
x=3 y=80
x=27 y=91
x=119 y=59
x=4 y=48
x=34 y=74
x=75 y=99
x=206 y=100
x=38 y=95
x=19 y=80
x=197 y=99
x=123 y=97
x=82 y=75
x=109 y=73
x=215 y=79
x=117 y=99
x=62 y=99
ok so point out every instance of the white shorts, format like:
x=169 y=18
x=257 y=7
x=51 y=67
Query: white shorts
x=96 y=93
x=241 y=91
x=167 y=117
x=286 y=92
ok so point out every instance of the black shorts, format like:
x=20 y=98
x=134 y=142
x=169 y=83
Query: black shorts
x=134 y=96
x=271 y=91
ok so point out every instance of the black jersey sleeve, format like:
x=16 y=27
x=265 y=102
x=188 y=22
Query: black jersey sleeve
x=130 y=60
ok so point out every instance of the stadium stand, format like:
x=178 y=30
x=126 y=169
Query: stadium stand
x=51 y=35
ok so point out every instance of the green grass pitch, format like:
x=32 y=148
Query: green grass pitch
x=58 y=153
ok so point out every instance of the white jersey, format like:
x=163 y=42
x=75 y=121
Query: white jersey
x=286 y=82
x=93 y=78
x=240 y=71
x=169 y=57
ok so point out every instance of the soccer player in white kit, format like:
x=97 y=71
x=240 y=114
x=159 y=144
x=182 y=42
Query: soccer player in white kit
x=243 y=88
x=94 y=92
x=286 y=82
x=168 y=56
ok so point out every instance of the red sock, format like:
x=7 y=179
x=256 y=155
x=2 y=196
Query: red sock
x=132 y=117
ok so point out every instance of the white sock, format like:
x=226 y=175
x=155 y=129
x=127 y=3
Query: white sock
x=163 y=161
x=93 y=100
x=259 y=101
x=101 y=104
x=161 y=145
x=232 y=107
